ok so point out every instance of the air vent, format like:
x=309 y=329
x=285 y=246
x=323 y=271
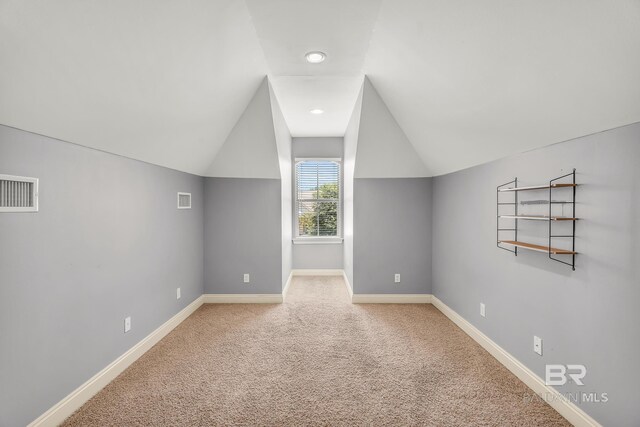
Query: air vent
x=18 y=194
x=184 y=200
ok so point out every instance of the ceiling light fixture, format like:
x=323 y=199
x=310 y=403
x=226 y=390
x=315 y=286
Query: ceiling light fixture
x=315 y=57
x=316 y=111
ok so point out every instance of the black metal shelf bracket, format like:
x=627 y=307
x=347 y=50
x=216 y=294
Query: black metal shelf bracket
x=571 y=236
x=515 y=207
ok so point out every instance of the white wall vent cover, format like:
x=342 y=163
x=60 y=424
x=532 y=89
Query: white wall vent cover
x=18 y=194
x=184 y=200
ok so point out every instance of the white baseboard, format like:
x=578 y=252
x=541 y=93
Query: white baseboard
x=242 y=298
x=67 y=406
x=317 y=272
x=391 y=298
x=286 y=286
x=556 y=400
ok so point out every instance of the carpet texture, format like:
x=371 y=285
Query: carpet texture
x=316 y=360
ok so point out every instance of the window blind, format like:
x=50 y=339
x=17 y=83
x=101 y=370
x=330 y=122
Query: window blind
x=318 y=198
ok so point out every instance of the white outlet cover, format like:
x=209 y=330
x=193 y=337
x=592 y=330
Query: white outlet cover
x=127 y=324
x=537 y=345
x=247 y=278
x=178 y=295
x=397 y=278
x=482 y=310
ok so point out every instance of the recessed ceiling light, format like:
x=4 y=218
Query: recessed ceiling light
x=316 y=111
x=315 y=57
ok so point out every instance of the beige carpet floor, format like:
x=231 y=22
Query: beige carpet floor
x=316 y=360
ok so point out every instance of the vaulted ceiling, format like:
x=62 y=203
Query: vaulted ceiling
x=159 y=81
x=473 y=81
x=467 y=81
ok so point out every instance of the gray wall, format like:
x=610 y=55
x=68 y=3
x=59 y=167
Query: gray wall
x=588 y=316
x=317 y=256
x=329 y=255
x=243 y=235
x=392 y=234
x=108 y=242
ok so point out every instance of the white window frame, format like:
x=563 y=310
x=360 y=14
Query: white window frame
x=34 y=195
x=314 y=240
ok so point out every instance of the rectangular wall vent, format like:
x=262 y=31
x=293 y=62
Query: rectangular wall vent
x=184 y=200
x=18 y=194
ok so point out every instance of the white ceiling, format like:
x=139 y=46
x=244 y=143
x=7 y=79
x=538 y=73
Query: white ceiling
x=336 y=95
x=468 y=81
x=472 y=81
x=159 y=81
x=287 y=29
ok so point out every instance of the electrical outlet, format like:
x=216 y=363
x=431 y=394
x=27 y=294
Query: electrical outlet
x=482 y=310
x=537 y=345
x=397 y=278
x=178 y=295
x=247 y=278
x=127 y=324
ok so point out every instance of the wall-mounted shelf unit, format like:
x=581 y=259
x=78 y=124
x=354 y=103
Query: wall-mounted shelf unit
x=538 y=217
x=536 y=187
x=544 y=202
x=514 y=244
x=538 y=248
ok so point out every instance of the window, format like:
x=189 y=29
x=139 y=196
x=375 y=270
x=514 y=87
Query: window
x=318 y=193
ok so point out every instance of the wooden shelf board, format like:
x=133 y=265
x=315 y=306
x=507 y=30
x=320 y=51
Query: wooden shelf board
x=538 y=248
x=539 y=217
x=537 y=187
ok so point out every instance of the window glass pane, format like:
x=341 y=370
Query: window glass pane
x=328 y=218
x=308 y=218
x=307 y=174
x=328 y=190
x=318 y=195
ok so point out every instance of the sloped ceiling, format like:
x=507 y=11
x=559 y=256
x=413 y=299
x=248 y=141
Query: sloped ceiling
x=473 y=81
x=467 y=81
x=159 y=81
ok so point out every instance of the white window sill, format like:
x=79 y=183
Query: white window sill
x=317 y=241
